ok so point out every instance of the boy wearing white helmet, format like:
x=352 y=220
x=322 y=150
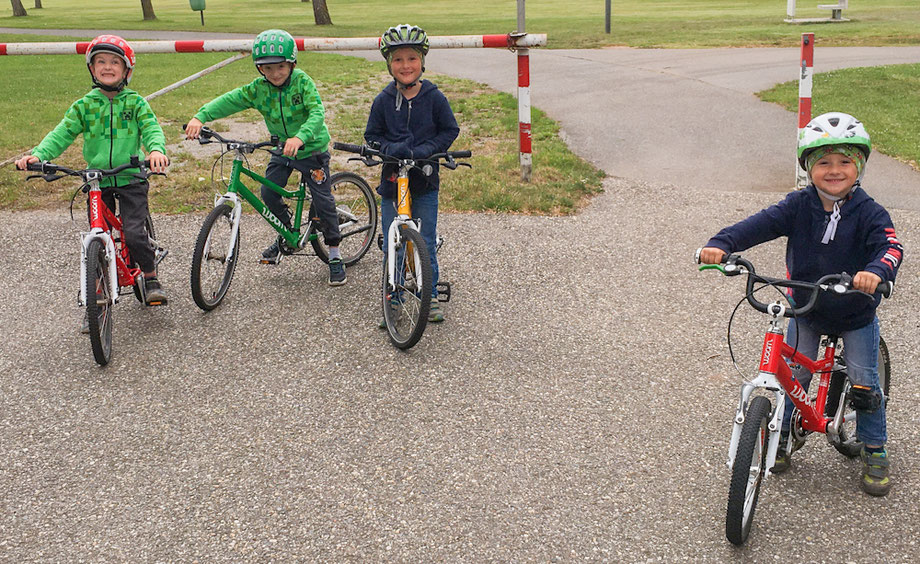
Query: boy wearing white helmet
x=832 y=226
x=411 y=119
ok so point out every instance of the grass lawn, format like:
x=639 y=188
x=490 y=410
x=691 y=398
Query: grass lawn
x=571 y=24
x=561 y=183
x=890 y=114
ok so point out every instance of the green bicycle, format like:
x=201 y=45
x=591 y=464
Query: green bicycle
x=218 y=245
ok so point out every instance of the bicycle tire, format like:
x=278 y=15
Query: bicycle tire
x=405 y=310
x=213 y=264
x=849 y=445
x=748 y=471
x=99 y=302
x=356 y=207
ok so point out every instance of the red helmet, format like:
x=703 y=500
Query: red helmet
x=116 y=45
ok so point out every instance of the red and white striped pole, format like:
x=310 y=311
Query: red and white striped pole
x=524 y=134
x=807 y=59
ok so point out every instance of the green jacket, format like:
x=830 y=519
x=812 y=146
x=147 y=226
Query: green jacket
x=294 y=110
x=113 y=131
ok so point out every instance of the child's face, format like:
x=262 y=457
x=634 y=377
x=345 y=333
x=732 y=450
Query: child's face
x=406 y=65
x=835 y=174
x=109 y=69
x=277 y=73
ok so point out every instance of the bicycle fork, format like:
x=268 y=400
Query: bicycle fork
x=235 y=213
x=86 y=238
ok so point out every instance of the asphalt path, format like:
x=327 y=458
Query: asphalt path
x=575 y=406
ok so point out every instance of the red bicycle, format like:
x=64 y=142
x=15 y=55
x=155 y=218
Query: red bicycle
x=757 y=424
x=105 y=263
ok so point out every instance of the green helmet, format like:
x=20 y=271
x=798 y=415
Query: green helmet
x=404 y=35
x=274 y=46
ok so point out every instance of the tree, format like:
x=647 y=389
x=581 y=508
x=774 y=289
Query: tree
x=18 y=10
x=321 y=13
x=147 y=6
x=38 y=3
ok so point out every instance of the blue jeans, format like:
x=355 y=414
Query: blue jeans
x=424 y=208
x=860 y=350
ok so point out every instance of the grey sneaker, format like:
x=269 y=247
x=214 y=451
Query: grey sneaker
x=271 y=255
x=84 y=326
x=154 y=292
x=875 y=480
x=337 y=275
x=783 y=459
x=435 y=313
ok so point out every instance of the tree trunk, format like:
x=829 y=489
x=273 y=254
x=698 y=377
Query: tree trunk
x=18 y=10
x=321 y=13
x=38 y=3
x=147 y=6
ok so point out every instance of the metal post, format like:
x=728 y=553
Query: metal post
x=807 y=62
x=606 y=16
x=524 y=137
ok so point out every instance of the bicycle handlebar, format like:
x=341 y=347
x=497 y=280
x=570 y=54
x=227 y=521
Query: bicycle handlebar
x=207 y=134
x=51 y=172
x=373 y=156
x=840 y=284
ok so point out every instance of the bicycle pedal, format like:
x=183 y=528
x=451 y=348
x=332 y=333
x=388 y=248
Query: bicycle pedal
x=158 y=303
x=380 y=241
x=443 y=291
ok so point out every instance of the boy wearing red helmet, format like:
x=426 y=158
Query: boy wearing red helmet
x=116 y=123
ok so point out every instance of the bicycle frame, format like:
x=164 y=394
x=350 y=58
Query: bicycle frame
x=403 y=217
x=775 y=375
x=101 y=221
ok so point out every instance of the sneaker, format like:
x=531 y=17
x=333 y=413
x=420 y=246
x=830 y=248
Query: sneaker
x=783 y=459
x=84 y=326
x=337 y=272
x=154 y=292
x=875 y=480
x=435 y=314
x=383 y=321
x=271 y=255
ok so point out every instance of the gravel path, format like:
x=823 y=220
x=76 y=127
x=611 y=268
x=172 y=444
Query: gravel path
x=576 y=405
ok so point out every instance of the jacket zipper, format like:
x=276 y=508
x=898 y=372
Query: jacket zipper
x=281 y=109
x=111 y=131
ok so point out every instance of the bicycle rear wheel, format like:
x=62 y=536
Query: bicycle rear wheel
x=356 y=207
x=849 y=445
x=99 y=301
x=748 y=471
x=213 y=261
x=405 y=309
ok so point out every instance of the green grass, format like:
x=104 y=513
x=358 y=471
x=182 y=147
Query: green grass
x=571 y=24
x=891 y=113
x=488 y=120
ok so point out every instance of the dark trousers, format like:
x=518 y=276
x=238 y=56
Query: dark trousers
x=315 y=170
x=133 y=208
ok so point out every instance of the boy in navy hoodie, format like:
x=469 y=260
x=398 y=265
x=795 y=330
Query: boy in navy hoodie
x=832 y=226
x=411 y=118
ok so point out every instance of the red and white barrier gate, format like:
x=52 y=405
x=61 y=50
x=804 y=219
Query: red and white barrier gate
x=806 y=74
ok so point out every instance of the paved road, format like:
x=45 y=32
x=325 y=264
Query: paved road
x=575 y=406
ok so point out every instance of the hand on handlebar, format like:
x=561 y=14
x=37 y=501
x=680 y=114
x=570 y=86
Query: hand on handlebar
x=711 y=255
x=23 y=163
x=193 y=129
x=158 y=162
x=865 y=281
x=291 y=146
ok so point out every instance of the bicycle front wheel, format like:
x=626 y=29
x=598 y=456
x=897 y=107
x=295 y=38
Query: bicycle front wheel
x=748 y=471
x=407 y=292
x=213 y=261
x=356 y=208
x=99 y=301
x=848 y=445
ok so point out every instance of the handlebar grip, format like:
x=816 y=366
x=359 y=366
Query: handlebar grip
x=348 y=147
x=885 y=289
x=34 y=167
x=460 y=154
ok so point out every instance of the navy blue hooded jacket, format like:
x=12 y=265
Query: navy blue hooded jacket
x=865 y=240
x=416 y=128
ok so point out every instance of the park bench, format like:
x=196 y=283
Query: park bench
x=836 y=9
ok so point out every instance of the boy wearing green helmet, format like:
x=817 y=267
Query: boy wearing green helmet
x=832 y=226
x=411 y=118
x=291 y=106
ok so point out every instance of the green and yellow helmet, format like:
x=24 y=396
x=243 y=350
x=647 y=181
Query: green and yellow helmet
x=404 y=35
x=274 y=46
x=832 y=128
